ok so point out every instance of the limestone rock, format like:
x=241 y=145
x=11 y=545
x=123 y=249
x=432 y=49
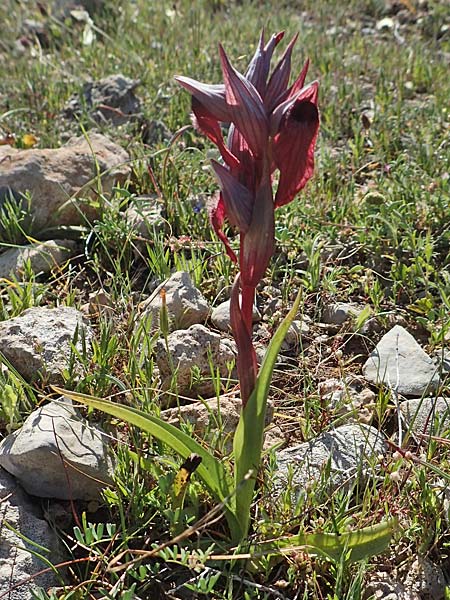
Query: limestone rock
x=398 y=356
x=17 y=564
x=350 y=450
x=39 y=341
x=294 y=336
x=144 y=216
x=57 y=178
x=154 y=132
x=425 y=578
x=349 y=398
x=42 y=257
x=213 y=416
x=185 y=304
x=339 y=312
x=220 y=316
x=427 y=415
x=382 y=587
x=58 y=454
x=194 y=351
x=111 y=99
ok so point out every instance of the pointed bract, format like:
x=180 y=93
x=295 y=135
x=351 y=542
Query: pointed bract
x=245 y=106
x=258 y=69
x=216 y=209
x=237 y=199
x=211 y=128
x=211 y=96
x=279 y=79
x=258 y=243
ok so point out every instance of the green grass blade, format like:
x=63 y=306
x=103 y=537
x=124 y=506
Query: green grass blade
x=248 y=439
x=211 y=471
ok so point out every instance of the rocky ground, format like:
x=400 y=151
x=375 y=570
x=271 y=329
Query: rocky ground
x=93 y=229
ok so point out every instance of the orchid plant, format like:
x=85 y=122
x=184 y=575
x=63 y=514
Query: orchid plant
x=273 y=128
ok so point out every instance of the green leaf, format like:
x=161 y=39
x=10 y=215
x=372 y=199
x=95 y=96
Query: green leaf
x=248 y=439
x=358 y=545
x=211 y=471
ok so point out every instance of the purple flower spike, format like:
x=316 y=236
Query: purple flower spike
x=272 y=126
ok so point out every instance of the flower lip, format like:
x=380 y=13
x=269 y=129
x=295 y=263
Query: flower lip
x=279 y=113
x=304 y=112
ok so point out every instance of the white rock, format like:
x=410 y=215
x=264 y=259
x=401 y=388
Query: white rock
x=194 y=350
x=39 y=341
x=220 y=316
x=58 y=454
x=185 y=304
x=350 y=450
x=41 y=257
x=339 y=312
x=427 y=415
x=348 y=397
x=56 y=177
x=213 y=417
x=385 y=23
x=425 y=578
x=144 y=216
x=383 y=587
x=17 y=564
x=399 y=362
x=294 y=334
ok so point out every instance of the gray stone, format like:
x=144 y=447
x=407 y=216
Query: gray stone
x=154 y=132
x=350 y=450
x=220 y=316
x=58 y=454
x=185 y=304
x=191 y=351
x=17 y=564
x=427 y=415
x=425 y=578
x=214 y=417
x=111 y=99
x=442 y=359
x=294 y=336
x=339 y=312
x=38 y=343
x=348 y=398
x=382 y=587
x=42 y=257
x=58 y=178
x=144 y=216
x=399 y=362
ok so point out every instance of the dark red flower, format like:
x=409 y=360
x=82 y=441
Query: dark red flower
x=273 y=126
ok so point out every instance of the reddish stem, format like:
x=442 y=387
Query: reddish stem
x=247 y=301
x=242 y=332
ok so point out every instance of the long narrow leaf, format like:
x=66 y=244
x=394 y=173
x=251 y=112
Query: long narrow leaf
x=248 y=439
x=211 y=471
x=358 y=545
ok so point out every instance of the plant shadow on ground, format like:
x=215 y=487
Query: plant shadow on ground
x=372 y=228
